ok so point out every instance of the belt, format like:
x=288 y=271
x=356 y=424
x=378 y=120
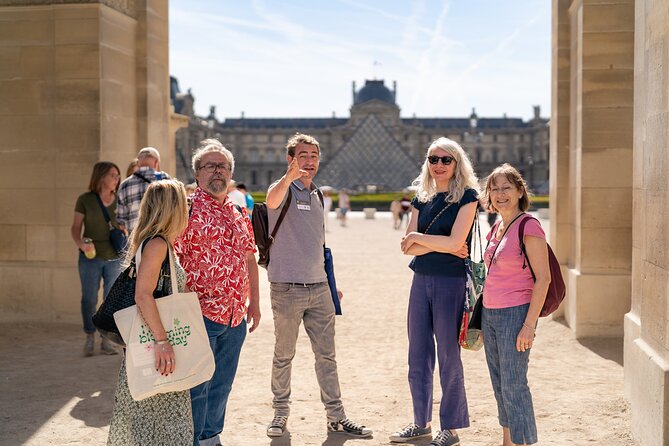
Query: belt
x=306 y=285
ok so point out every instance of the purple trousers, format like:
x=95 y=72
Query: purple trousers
x=435 y=313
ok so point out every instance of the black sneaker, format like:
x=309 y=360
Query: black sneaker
x=411 y=432
x=445 y=438
x=348 y=427
x=277 y=427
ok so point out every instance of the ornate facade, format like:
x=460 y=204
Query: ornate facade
x=374 y=149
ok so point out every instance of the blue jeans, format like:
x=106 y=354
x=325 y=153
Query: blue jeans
x=209 y=399
x=508 y=371
x=91 y=271
x=436 y=304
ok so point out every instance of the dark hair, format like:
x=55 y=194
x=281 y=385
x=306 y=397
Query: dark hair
x=301 y=138
x=241 y=186
x=513 y=176
x=99 y=171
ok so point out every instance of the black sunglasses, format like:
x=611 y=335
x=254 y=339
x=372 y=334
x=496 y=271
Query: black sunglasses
x=446 y=160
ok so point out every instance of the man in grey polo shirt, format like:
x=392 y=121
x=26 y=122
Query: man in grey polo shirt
x=299 y=288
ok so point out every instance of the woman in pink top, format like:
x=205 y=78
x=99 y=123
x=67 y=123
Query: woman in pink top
x=512 y=301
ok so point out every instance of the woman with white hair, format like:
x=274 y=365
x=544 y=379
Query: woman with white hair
x=439 y=231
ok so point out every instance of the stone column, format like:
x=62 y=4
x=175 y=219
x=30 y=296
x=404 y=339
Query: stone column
x=559 y=137
x=599 y=220
x=69 y=98
x=646 y=325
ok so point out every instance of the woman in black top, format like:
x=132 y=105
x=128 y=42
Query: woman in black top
x=442 y=215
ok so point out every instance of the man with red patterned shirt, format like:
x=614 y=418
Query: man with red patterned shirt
x=217 y=252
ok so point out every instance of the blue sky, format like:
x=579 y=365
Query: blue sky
x=297 y=58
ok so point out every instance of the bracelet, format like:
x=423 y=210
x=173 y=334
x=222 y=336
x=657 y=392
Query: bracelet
x=533 y=329
x=165 y=341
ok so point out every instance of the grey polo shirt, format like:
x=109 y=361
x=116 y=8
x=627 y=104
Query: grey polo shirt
x=297 y=253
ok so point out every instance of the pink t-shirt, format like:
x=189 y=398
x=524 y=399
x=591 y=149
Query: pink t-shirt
x=508 y=284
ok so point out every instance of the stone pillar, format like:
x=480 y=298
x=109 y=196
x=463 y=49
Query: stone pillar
x=69 y=94
x=599 y=220
x=646 y=325
x=560 y=207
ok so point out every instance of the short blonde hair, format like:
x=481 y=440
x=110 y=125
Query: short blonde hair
x=162 y=212
x=463 y=178
x=513 y=176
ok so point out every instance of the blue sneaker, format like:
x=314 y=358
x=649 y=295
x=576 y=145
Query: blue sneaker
x=411 y=432
x=446 y=438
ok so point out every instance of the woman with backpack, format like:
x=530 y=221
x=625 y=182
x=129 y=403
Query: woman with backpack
x=512 y=300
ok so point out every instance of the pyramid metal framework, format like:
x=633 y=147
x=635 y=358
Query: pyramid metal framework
x=371 y=156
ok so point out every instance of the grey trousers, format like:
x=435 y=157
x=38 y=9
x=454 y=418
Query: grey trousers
x=312 y=304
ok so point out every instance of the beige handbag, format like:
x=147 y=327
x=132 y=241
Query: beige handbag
x=181 y=316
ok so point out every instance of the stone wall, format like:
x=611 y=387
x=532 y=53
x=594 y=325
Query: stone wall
x=646 y=325
x=80 y=82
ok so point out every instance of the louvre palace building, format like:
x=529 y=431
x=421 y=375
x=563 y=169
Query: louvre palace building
x=375 y=149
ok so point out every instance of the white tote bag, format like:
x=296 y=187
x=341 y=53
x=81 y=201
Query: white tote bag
x=181 y=316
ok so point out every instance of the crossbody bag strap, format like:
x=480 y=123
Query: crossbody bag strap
x=284 y=209
x=437 y=216
x=173 y=276
x=139 y=175
x=503 y=234
x=476 y=236
x=104 y=211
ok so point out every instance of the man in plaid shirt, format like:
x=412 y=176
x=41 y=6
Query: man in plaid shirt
x=132 y=189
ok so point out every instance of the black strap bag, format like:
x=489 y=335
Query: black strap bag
x=260 y=223
x=122 y=295
x=117 y=237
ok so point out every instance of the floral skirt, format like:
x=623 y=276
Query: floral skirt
x=164 y=419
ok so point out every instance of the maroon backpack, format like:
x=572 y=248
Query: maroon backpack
x=556 y=289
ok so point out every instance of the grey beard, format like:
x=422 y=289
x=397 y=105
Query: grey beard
x=217 y=187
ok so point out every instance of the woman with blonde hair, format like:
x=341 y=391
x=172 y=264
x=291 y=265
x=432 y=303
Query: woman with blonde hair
x=442 y=215
x=164 y=418
x=513 y=296
x=98 y=260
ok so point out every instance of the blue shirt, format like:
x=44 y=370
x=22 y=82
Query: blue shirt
x=439 y=263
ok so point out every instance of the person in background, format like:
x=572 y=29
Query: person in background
x=396 y=212
x=132 y=168
x=405 y=204
x=438 y=235
x=327 y=207
x=165 y=418
x=132 y=189
x=344 y=206
x=238 y=197
x=98 y=260
x=249 y=199
x=512 y=301
x=190 y=188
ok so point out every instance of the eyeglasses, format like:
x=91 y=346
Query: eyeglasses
x=211 y=168
x=446 y=160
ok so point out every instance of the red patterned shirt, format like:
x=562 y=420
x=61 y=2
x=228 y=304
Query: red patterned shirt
x=213 y=252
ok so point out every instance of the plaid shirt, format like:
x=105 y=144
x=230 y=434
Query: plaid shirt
x=130 y=194
x=213 y=252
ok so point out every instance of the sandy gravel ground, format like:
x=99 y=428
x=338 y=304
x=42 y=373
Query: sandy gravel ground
x=51 y=395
